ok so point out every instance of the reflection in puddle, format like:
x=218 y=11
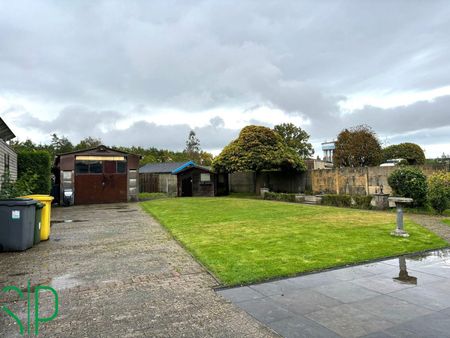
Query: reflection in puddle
x=69 y=221
x=403 y=276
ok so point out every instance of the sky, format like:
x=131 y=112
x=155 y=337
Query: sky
x=146 y=72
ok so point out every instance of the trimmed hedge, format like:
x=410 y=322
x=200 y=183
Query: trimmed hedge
x=337 y=200
x=409 y=182
x=38 y=163
x=439 y=191
x=362 y=201
x=274 y=196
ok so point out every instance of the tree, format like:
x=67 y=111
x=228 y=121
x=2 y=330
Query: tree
x=193 y=147
x=357 y=147
x=88 y=142
x=295 y=138
x=257 y=148
x=61 y=145
x=411 y=152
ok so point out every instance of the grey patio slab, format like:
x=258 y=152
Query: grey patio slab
x=349 y=321
x=299 y=327
x=430 y=326
x=445 y=311
x=391 y=309
x=304 y=301
x=442 y=270
x=381 y=284
x=346 y=292
x=424 y=296
x=265 y=311
x=241 y=294
x=422 y=277
x=276 y=287
x=313 y=280
x=351 y=273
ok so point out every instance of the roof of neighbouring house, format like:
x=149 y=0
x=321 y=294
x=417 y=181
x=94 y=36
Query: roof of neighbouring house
x=162 y=168
x=5 y=133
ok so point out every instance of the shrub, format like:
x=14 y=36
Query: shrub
x=439 y=191
x=337 y=200
x=23 y=186
x=362 y=201
x=409 y=182
x=275 y=196
x=35 y=162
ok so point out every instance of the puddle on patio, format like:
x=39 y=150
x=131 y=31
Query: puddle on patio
x=68 y=221
x=319 y=303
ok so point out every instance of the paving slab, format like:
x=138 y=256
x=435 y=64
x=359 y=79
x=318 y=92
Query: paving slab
x=118 y=273
x=383 y=299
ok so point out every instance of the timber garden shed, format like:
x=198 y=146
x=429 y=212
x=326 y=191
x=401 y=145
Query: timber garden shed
x=195 y=180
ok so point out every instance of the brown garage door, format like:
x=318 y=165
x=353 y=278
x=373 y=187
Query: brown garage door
x=100 y=188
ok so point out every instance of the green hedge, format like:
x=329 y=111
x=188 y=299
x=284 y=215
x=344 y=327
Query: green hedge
x=36 y=163
x=347 y=201
x=274 y=196
x=362 y=201
x=409 y=182
x=337 y=200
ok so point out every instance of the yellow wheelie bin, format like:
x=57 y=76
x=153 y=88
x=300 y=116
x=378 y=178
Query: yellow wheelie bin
x=46 y=214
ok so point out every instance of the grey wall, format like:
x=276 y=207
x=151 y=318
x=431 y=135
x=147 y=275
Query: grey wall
x=242 y=182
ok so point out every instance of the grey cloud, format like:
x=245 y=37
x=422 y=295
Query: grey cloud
x=301 y=57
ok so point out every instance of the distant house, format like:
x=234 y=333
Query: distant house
x=157 y=177
x=195 y=180
x=8 y=157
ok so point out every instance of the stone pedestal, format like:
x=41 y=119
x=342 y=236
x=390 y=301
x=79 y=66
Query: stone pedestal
x=263 y=191
x=400 y=202
x=380 y=201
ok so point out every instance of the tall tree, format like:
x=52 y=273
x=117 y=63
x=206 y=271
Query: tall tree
x=411 y=152
x=295 y=138
x=257 y=148
x=61 y=145
x=88 y=142
x=357 y=147
x=193 y=146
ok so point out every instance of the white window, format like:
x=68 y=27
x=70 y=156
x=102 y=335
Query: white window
x=205 y=177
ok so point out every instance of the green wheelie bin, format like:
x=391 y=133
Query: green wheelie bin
x=38 y=223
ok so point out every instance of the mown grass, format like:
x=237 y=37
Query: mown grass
x=151 y=195
x=246 y=240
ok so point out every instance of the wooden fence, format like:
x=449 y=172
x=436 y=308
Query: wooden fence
x=149 y=182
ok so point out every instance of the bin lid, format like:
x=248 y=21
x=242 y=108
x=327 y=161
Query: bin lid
x=44 y=198
x=12 y=202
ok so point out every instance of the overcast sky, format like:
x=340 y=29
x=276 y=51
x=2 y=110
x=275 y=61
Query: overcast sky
x=145 y=72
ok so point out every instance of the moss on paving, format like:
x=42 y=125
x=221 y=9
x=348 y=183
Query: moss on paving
x=244 y=240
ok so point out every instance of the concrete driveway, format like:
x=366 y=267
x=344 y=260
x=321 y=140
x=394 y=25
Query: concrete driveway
x=118 y=274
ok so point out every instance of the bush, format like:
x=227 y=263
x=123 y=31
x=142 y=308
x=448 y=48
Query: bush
x=362 y=201
x=275 y=196
x=439 y=191
x=337 y=200
x=38 y=163
x=409 y=182
x=23 y=186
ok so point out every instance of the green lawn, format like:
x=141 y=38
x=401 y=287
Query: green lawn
x=246 y=240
